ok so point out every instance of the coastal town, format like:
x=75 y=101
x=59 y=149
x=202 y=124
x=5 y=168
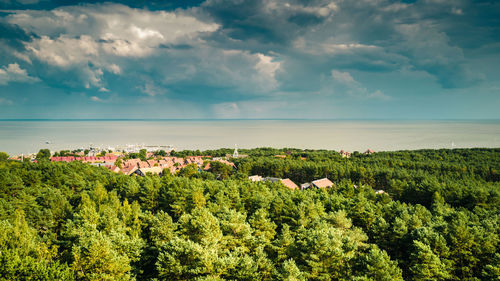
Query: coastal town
x=141 y=160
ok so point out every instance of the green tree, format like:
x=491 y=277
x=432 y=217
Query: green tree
x=43 y=154
x=221 y=170
x=492 y=270
x=191 y=170
x=425 y=265
x=25 y=256
x=3 y=156
x=377 y=265
x=161 y=153
x=290 y=271
x=143 y=154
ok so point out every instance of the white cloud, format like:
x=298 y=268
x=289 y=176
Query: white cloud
x=151 y=89
x=233 y=71
x=14 y=73
x=96 y=99
x=64 y=51
x=331 y=47
x=379 y=95
x=356 y=89
x=267 y=67
x=343 y=77
x=321 y=10
x=260 y=73
x=115 y=69
x=117 y=29
x=92 y=38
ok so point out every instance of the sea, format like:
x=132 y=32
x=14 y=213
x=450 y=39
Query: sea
x=29 y=136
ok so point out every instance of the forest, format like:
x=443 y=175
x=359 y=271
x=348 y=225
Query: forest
x=437 y=219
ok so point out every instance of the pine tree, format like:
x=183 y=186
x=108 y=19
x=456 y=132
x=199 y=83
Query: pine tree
x=425 y=265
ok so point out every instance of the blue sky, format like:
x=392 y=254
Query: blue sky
x=382 y=59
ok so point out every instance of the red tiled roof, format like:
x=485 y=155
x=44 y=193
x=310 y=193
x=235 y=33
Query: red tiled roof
x=128 y=169
x=290 y=184
x=207 y=167
x=113 y=168
x=322 y=183
x=152 y=162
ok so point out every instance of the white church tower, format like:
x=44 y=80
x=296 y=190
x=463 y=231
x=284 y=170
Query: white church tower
x=235 y=153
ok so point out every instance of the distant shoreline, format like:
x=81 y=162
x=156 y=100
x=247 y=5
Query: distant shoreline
x=244 y=119
x=30 y=135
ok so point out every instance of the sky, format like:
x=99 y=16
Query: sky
x=218 y=59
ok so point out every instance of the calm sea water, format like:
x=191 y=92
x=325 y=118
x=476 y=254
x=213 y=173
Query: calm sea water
x=29 y=136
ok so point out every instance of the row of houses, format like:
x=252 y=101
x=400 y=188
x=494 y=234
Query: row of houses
x=347 y=154
x=319 y=183
x=171 y=164
x=86 y=159
x=156 y=166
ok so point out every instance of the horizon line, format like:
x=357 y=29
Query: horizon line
x=249 y=119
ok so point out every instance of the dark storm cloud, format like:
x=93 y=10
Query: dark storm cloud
x=226 y=54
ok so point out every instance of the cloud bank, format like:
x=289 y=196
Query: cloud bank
x=228 y=58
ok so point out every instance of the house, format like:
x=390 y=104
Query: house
x=271 y=179
x=369 y=151
x=198 y=160
x=143 y=171
x=322 y=183
x=129 y=169
x=113 y=168
x=152 y=163
x=255 y=178
x=345 y=154
x=87 y=159
x=131 y=162
x=290 y=184
x=305 y=186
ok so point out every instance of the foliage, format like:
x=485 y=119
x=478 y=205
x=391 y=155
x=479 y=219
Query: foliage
x=438 y=220
x=3 y=156
x=43 y=154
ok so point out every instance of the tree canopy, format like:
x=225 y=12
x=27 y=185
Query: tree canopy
x=438 y=219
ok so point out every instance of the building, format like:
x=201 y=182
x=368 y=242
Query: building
x=113 y=168
x=345 y=154
x=128 y=169
x=322 y=183
x=369 y=151
x=271 y=179
x=235 y=153
x=255 y=178
x=290 y=184
x=305 y=186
